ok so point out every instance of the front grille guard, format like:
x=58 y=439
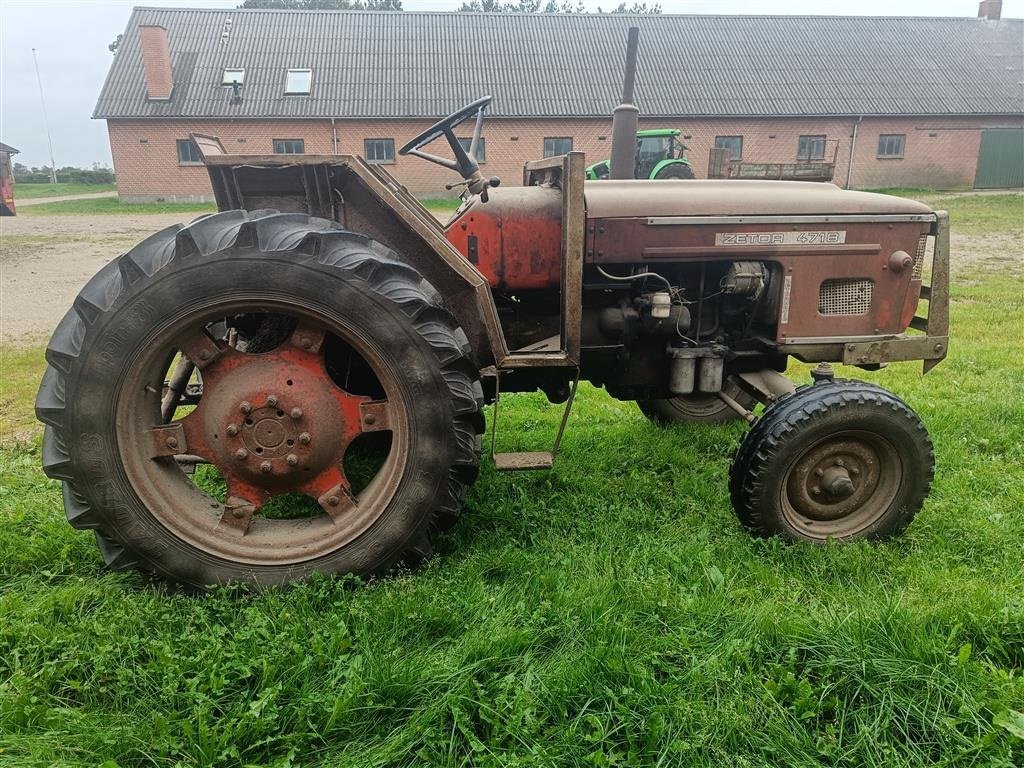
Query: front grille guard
x=933 y=346
x=930 y=344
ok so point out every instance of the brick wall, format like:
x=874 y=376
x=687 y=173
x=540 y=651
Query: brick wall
x=941 y=153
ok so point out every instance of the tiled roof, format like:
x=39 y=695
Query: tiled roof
x=406 y=64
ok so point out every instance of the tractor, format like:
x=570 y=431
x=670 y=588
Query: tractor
x=296 y=384
x=659 y=155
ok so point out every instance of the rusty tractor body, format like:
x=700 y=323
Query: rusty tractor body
x=219 y=368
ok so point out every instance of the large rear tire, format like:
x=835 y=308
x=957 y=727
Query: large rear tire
x=839 y=460
x=306 y=338
x=676 y=171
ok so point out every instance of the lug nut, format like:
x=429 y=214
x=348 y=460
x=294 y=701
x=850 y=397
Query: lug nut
x=305 y=342
x=333 y=501
x=232 y=430
x=840 y=463
x=815 y=490
x=241 y=453
x=265 y=467
x=819 y=472
x=172 y=442
x=370 y=418
x=854 y=471
x=245 y=407
x=292 y=459
x=272 y=400
x=304 y=438
x=238 y=512
x=296 y=413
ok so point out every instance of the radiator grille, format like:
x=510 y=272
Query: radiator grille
x=847 y=296
x=922 y=245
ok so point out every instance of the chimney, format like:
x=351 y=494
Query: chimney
x=990 y=9
x=156 y=62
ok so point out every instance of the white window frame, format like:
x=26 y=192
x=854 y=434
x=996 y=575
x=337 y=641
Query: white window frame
x=233 y=75
x=295 y=88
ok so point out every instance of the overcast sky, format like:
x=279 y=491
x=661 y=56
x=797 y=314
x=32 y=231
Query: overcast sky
x=71 y=39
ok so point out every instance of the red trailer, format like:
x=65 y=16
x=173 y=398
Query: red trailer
x=6 y=180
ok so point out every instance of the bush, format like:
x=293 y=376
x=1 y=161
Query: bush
x=66 y=175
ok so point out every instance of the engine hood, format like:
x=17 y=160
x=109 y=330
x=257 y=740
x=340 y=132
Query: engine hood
x=642 y=198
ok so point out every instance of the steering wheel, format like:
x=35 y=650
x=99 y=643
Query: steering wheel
x=465 y=163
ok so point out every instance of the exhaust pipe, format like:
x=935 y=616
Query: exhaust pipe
x=626 y=117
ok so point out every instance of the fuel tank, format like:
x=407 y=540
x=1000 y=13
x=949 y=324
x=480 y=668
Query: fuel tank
x=514 y=239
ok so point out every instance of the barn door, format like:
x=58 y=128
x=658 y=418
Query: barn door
x=1001 y=159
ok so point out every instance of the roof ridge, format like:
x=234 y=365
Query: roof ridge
x=544 y=15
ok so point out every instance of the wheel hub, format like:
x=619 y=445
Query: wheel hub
x=273 y=423
x=834 y=479
x=270 y=438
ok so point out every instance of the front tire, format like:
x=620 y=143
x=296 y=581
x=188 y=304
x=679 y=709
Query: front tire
x=843 y=460
x=305 y=337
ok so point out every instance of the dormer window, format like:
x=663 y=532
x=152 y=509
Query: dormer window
x=298 y=82
x=232 y=76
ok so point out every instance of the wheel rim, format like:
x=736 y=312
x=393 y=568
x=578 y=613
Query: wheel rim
x=841 y=485
x=272 y=422
x=704 y=404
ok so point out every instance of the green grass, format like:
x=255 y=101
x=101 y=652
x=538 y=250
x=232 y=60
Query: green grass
x=610 y=612
x=24 y=191
x=112 y=206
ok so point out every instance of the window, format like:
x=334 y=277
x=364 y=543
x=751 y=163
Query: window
x=811 y=148
x=289 y=146
x=481 y=148
x=233 y=76
x=733 y=143
x=298 y=82
x=188 y=153
x=379 y=150
x=891 y=145
x=557 y=145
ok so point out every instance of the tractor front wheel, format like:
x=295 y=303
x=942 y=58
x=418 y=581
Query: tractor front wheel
x=258 y=397
x=841 y=460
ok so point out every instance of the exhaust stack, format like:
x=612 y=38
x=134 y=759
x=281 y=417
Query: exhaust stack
x=626 y=117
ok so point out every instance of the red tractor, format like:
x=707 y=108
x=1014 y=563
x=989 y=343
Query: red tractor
x=296 y=384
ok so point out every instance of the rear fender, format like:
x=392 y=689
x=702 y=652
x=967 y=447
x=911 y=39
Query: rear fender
x=367 y=200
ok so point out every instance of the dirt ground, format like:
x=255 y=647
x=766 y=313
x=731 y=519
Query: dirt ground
x=45 y=260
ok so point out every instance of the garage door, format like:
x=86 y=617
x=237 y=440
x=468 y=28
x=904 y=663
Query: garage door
x=1001 y=160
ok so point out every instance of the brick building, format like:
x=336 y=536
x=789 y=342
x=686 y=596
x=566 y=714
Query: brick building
x=934 y=102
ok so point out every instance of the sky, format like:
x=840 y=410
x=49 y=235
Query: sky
x=70 y=38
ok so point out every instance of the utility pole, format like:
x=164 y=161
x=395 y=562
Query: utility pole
x=46 y=121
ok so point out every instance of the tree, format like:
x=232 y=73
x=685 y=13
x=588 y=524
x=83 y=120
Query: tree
x=550 y=6
x=325 y=5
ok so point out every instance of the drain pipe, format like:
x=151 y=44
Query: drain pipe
x=853 y=145
x=626 y=117
x=334 y=136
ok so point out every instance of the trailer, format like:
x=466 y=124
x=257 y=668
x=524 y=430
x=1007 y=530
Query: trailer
x=6 y=180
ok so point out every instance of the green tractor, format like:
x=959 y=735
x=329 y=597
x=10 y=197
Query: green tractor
x=659 y=155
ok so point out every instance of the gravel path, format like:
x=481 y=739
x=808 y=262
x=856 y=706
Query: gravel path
x=45 y=260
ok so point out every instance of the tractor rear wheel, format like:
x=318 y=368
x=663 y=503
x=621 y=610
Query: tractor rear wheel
x=676 y=171
x=841 y=460
x=323 y=415
x=698 y=408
